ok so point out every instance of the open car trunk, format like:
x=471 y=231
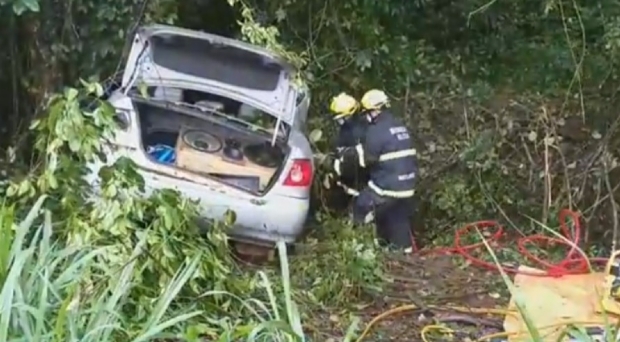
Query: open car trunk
x=214 y=137
x=165 y=55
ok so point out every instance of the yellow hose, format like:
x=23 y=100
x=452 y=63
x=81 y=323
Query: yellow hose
x=442 y=329
x=446 y=330
x=412 y=307
x=461 y=309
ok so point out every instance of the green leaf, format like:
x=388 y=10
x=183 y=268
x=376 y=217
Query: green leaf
x=280 y=14
x=112 y=191
x=53 y=182
x=167 y=216
x=315 y=135
x=19 y=8
x=71 y=94
x=142 y=88
x=98 y=89
x=23 y=188
x=11 y=191
x=34 y=124
x=32 y=5
x=230 y=217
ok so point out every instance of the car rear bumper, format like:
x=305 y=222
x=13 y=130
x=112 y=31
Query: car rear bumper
x=260 y=220
x=281 y=218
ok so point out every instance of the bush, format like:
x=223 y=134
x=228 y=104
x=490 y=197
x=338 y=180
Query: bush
x=53 y=292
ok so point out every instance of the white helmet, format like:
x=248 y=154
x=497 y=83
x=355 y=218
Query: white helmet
x=375 y=99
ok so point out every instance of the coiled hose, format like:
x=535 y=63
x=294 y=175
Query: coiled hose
x=574 y=262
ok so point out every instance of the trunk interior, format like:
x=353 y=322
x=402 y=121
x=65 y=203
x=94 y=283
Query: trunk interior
x=191 y=137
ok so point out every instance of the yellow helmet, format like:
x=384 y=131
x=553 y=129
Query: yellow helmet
x=375 y=99
x=343 y=105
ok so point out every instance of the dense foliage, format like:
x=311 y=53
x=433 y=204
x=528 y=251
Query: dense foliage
x=513 y=106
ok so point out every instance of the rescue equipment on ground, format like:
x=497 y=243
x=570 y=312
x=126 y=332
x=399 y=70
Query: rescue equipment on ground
x=611 y=294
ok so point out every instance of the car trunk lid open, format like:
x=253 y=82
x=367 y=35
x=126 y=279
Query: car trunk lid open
x=161 y=54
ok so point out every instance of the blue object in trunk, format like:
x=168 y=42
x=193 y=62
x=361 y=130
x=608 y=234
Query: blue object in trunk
x=162 y=153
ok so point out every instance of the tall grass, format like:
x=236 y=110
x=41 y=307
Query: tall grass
x=56 y=293
x=278 y=318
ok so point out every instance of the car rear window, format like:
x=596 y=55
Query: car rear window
x=226 y=64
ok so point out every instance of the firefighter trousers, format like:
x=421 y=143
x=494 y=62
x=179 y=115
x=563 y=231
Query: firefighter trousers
x=392 y=217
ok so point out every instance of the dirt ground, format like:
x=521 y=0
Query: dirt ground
x=427 y=282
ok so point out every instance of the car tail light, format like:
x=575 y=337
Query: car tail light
x=300 y=173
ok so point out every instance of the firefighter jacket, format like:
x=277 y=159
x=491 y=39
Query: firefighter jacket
x=387 y=151
x=351 y=132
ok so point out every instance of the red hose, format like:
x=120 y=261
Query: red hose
x=572 y=263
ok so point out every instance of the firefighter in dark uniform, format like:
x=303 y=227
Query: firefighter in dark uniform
x=351 y=131
x=352 y=127
x=387 y=151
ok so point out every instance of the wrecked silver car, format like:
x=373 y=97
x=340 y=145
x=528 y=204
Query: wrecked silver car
x=220 y=121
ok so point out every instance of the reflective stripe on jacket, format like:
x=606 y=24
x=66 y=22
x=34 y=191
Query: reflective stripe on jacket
x=388 y=152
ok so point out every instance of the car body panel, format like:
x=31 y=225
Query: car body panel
x=260 y=220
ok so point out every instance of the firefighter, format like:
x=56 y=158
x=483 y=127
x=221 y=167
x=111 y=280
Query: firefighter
x=351 y=126
x=350 y=132
x=387 y=151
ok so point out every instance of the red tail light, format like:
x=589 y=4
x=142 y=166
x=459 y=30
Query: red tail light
x=300 y=173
